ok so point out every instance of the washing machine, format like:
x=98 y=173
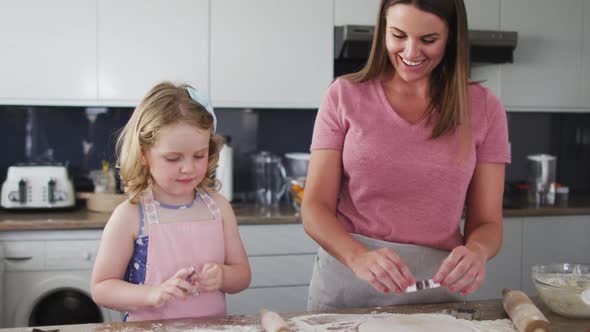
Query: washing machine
x=46 y=278
x=1 y=285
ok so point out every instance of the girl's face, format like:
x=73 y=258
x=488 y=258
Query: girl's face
x=178 y=162
x=415 y=41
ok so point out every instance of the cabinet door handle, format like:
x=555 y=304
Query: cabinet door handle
x=18 y=259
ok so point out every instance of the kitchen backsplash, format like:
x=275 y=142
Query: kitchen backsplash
x=83 y=137
x=564 y=135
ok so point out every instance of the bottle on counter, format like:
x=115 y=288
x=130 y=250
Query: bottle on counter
x=562 y=196
x=550 y=195
x=224 y=171
x=104 y=179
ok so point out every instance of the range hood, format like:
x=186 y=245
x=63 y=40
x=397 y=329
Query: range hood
x=353 y=42
x=492 y=46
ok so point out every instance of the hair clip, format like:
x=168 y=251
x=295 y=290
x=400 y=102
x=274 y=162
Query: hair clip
x=204 y=101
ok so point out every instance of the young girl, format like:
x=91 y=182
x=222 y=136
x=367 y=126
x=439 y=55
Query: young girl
x=172 y=250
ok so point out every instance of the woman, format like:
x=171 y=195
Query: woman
x=399 y=148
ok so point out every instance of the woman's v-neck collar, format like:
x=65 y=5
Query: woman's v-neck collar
x=379 y=85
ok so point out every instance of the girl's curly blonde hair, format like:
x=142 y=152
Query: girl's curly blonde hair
x=164 y=105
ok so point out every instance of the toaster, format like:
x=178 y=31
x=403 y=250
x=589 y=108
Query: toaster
x=37 y=186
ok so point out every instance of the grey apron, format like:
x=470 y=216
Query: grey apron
x=333 y=285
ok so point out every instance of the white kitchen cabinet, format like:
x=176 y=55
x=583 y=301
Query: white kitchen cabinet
x=358 y=12
x=271 y=53
x=281 y=258
x=484 y=15
x=48 y=54
x=546 y=72
x=278 y=299
x=546 y=240
x=586 y=56
x=264 y=240
x=141 y=43
x=504 y=270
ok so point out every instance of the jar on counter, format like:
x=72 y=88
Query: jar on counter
x=562 y=196
x=224 y=171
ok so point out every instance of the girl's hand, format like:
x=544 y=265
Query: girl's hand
x=462 y=271
x=177 y=286
x=211 y=277
x=382 y=269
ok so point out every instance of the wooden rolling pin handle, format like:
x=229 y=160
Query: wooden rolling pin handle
x=272 y=322
x=524 y=314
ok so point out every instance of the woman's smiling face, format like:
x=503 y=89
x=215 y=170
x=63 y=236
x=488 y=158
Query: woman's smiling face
x=415 y=41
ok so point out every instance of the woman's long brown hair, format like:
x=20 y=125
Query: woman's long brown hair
x=449 y=80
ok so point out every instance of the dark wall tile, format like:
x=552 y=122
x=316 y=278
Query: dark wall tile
x=57 y=135
x=564 y=135
x=283 y=131
x=73 y=136
x=242 y=127
x=102 y=136
x=83 y=137
x=571 y=145
x=13 y=121
x=276 y=130
x=529 y=134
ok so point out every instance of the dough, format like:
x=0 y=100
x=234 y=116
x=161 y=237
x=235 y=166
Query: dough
x=432 y=322
x=416 y=323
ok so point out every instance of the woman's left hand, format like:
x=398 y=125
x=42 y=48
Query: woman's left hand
x=462 y=271
x=211 y=277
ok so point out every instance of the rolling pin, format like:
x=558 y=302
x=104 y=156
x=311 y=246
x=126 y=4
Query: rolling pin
x=272 y=322
x=524 y=314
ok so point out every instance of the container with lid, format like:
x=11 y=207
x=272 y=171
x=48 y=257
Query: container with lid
x=224 y=171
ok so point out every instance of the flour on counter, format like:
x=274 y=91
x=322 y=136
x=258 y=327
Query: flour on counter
x=172 y=327
x=381 y=322
x=401 y=322
x=330 y=322
x=229 y=328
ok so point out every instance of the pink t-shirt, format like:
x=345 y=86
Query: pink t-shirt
x=399 y=185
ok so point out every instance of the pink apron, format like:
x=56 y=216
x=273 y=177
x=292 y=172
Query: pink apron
x=177 y=245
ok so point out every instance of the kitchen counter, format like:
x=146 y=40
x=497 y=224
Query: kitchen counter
x=576 y=206
x=246 y=214
x=489 y=310
x=81 y=218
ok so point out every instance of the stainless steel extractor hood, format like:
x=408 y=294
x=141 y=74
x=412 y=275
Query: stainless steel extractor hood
x=492 y=46
x=353 y=42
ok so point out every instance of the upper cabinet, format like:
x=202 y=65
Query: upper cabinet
x=271 y=53
x=359 y=12
x=141 y=43
x=260 y=53
x=546 y=74
x=484 y=15
x=48 y=54
x=586 y=56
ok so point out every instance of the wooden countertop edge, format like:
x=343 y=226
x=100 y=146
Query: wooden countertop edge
x=14 y=224
x=489 y=309
x=546 y=212
x=84 y=219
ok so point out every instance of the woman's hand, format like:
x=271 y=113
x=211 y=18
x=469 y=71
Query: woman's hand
x=177 y=286
x=382 y=269
x=211 y=277
x=462 y=271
